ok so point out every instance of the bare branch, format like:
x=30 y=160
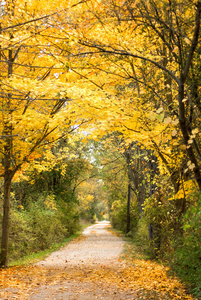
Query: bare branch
x=194 y=41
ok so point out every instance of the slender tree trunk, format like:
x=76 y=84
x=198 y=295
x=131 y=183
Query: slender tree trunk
x=7 y=185
x=128 y=227
x=6 y=222
x=7 y=168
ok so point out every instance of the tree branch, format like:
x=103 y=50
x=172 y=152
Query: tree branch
x=194 y=41
x=129 y=54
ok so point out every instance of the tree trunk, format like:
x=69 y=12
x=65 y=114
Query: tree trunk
x=6 y=221
x=128 y=227
x=184 y=130
x=7 y=185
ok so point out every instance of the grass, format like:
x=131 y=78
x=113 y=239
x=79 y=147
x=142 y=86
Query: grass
x=135 y=248
x=116 y=232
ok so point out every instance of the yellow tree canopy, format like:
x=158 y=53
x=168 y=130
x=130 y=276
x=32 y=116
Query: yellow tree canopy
x=136 y=63
x=35 y=107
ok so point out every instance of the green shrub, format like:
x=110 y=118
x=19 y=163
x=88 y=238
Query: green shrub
x=69 y=216
x=187 y=257
x=34 y=230
x=140 y=237
x=119 y=216
x=47 y=228
x=160 y=215
x=21 y=238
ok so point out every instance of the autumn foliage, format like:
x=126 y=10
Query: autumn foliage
x=125 y=73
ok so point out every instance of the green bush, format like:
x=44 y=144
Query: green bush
x=160 y=215
x=21 y=238
x=69 y=216
x=187 y=257
x=119 y=216
x=141 y=234
x=47 y=228
x=34 y=230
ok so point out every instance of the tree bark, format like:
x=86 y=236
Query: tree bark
x=128 y=225
x=6 y=222
x=185 y=134
x=7 y=186
x=7 y=170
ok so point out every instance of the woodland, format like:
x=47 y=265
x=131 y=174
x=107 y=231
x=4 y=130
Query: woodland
x=100 y=105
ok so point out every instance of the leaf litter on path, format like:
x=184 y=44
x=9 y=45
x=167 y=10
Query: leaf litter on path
x=90 y=268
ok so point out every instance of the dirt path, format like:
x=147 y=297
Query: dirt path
x=98 y=246
x=90 y=267
x=97 y=250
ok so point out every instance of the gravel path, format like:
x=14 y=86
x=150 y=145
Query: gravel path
x=76 y=269
x=98 y=246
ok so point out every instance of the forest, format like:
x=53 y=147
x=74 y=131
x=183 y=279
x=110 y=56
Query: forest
x=100 y=110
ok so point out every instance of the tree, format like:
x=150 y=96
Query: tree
x=33 y=102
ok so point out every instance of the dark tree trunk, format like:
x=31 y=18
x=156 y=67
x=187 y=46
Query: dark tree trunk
x=128 y=225
x=7 y=169
x=7 y=186
x=186 y=137
x=6 y=222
